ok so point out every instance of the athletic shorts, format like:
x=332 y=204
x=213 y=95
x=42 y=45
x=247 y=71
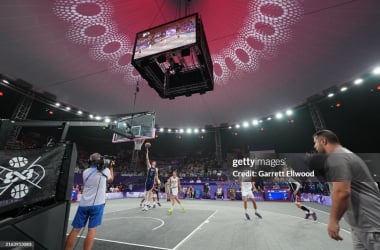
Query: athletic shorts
x=175 y=191
x=92 y=214
x=149 y=185
x=247 y=193
x=298 y=199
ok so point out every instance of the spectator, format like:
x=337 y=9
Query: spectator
x=206 y=191
x=320 y=188
x=191 y=192
x=219 y=193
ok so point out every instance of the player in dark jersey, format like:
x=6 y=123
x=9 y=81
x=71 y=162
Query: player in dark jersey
x=294 y=187
x=151 y=178
x=156 y=191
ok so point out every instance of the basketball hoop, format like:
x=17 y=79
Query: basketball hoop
x=138 y=143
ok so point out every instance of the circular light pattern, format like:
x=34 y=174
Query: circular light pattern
x=230 y=64
x=91 y=33
x=82 y=12
x=265 y=27
x=271 y=10
x=113 y=47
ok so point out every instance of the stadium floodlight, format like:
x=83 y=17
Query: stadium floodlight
x=358 y=81
x=289 y=112
x=376 y=71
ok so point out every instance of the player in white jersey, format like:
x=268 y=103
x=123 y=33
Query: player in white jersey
x=175 y=186
x=246 y=192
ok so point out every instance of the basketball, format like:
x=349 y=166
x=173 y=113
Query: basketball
x=18 y=162
x=147 y=144
x=19 y=191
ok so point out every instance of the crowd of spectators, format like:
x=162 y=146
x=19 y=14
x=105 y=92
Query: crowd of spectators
x=192 y=169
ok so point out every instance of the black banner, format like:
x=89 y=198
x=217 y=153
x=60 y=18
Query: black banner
x=29 y=176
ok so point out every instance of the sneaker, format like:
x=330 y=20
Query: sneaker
x=247 y=216
x=145 y=208
x=258 y=215
x=307 y=215
x=158 y=204
x=154 y=206
x=170 y=211
x=314 y=215
x=183 y=209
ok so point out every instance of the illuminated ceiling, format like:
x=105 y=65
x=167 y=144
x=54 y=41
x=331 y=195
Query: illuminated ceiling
x=267 y=55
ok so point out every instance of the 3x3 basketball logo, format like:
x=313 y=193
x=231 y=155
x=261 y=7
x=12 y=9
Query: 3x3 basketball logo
x=20 y=177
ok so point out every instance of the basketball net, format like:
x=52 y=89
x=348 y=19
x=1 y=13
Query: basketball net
x=138 y=143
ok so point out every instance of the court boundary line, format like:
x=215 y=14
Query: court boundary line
x=154 y=247
x=314 y=221
x=195 y=230
x=128 y=243
x=138 y=217
x=103 y=213
x=327 y=224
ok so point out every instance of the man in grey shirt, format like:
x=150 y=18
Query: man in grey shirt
x=354 y=193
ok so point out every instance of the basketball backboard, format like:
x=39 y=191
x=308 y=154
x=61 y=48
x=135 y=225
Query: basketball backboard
x=132 y=126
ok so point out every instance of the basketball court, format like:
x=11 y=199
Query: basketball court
x=212 y=225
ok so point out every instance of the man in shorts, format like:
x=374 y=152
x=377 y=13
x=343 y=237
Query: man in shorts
x=91 y=205
x=246 y=192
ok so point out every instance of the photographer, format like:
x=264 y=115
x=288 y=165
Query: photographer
x=91 y=205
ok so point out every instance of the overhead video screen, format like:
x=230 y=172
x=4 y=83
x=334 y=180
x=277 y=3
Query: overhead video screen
x=166 y=37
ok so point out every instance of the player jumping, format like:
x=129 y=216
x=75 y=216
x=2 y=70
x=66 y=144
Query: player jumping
x=151 y=178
